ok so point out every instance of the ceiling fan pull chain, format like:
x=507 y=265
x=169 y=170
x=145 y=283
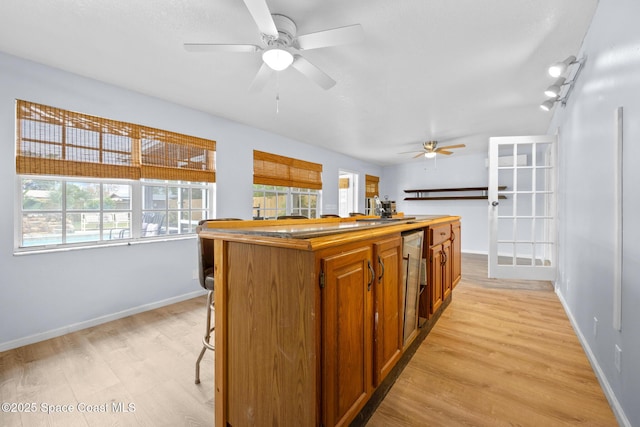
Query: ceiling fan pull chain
x=277 y=92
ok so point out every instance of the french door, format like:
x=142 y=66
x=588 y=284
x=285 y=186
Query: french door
x=522 y=207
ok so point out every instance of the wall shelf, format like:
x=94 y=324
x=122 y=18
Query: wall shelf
x=463 y=193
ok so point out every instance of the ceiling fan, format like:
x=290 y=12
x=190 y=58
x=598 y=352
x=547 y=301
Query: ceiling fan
x=430 y=149
x=282 y=43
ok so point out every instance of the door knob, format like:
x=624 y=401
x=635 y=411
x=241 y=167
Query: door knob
x=494 y=203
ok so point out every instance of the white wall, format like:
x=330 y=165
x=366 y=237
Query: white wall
x=610 y=79
x=461 y=170
x=44 y=295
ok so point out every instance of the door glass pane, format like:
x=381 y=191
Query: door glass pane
x=523 y=204
x=506 y=206
x=525 y=150
x=506 y=229
x=525 y=179
x=523 y=230
x=505 y=253
x=505 y=177
x=543 y=152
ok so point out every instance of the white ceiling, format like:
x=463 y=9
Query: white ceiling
x=458 y=71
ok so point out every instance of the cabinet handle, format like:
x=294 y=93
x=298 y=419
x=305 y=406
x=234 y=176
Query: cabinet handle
x=444 y=258
x=408 y=259
x=372 y=274
x=453 y=236
x=381 y=267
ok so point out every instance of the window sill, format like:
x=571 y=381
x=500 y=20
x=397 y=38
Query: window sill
x=146 y=240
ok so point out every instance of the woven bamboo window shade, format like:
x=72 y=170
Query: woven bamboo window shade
x=343 y=183
x=371 y=185
x=53 y=141
x=271 y=169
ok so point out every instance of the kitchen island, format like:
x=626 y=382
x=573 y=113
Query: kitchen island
x=310 y=314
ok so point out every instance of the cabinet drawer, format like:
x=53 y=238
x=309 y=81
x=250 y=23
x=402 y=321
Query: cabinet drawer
x=439 y=234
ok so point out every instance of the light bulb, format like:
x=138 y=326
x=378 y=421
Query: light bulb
x=553 y=91
x=547 y=105
x=557 y=69
x=277 y=59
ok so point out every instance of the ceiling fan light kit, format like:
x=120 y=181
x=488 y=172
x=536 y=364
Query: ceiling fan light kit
x=430 y=150
x=280 y=37
x=554 y=92
x=277 y=59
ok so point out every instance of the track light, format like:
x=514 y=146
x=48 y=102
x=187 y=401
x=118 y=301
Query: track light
x=558 y=69
x=277 y=59
x=553 y=91
x=547 y=105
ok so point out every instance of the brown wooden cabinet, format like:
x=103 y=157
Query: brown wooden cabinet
x=456 y=253
x=435 y=279
x=309 y=317
x=443 y=265
x=361 y=324
x=347 y=331
x=446 y=269
x=388 y=307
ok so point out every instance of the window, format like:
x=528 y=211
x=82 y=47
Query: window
x=270 y=202
x=285 y=186
x=170 y=207
x=85 y=179
x=72 y=211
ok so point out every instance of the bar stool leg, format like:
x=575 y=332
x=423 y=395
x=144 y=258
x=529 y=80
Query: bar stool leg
x=206 y=345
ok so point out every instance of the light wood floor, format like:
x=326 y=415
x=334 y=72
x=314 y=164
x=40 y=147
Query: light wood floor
x=147 y=360
x=503 y=353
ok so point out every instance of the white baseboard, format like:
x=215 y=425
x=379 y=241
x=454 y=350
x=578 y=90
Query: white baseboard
x=604 y=383
x=97 y=321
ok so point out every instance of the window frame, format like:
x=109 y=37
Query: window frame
x=288 y=192
x=135 y=210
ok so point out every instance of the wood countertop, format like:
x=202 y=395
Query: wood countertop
x=314 y=234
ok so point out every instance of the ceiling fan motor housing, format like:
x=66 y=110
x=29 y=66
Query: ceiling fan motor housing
x=430 y=145
x=287 y=32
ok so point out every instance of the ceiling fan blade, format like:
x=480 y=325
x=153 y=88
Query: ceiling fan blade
x=411 y=152
x=333 y=37
x=262 y=15
x=445 y=152
x=312 y=72
x=261 y=78
x=452 y=146
x=418 y=155
x=213 y=47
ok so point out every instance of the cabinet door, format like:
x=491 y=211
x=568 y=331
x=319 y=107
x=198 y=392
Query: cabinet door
x=456 y=255
x=446 y=269
x=347 y=331
x=435 y=277
x=388 y=307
